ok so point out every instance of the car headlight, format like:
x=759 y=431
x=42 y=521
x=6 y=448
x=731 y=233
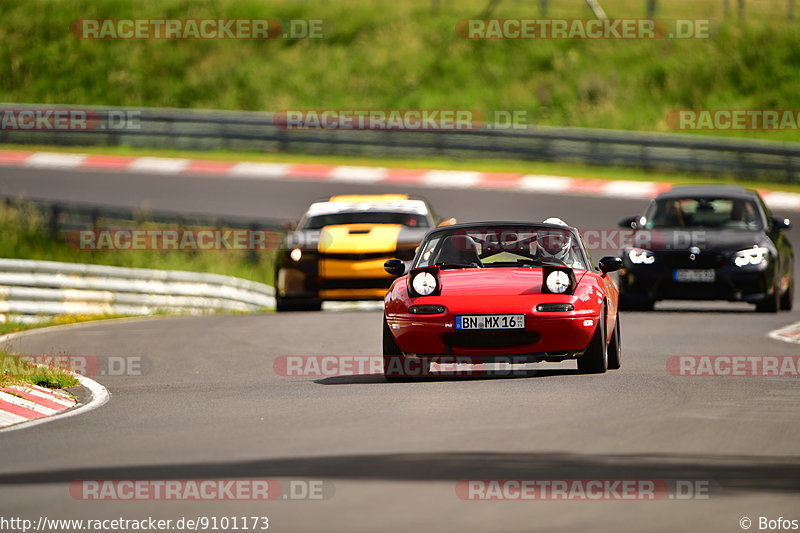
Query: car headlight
x=296 y=254
x=751 y=256
x=424 y=283
x=557 y=282
x=641 y=257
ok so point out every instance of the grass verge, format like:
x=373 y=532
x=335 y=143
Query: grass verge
x=60 y=320
x=26 y=237
x=407 y=55
x=15 y=370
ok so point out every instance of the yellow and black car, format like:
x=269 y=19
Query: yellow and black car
x=338 y=248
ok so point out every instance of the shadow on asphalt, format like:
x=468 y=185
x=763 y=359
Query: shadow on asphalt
x=718 y=310
x=726 y=473
x=699 y=306
x=364 y=379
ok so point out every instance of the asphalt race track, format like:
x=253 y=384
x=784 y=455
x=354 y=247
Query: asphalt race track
x=390 y=454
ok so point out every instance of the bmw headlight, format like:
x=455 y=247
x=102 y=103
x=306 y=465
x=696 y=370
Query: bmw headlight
x=751 y=256
x=424 y=283
x=557 y=282
x=639 y=256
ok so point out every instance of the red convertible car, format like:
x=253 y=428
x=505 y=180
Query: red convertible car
x=501 y=291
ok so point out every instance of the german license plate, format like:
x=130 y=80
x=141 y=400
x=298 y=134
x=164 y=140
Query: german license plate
x=490 y=322
x=696 y=276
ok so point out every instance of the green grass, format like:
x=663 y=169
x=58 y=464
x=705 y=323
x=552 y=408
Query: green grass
x=15 y=370
x=397 y=55
x=60 y=320
x=479 y=165
x=25 y=237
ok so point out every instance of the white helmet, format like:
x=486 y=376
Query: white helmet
x=557 y=249
x=555 y=220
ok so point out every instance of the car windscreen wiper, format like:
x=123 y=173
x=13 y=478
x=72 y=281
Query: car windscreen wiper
x=444 y=266
x=528 y=262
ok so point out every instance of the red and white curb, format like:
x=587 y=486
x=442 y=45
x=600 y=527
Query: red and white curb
x=9 y=420
x=20 y=403
x=23 y=406
x=790 y=333
x=508 y=181
x=359 y=305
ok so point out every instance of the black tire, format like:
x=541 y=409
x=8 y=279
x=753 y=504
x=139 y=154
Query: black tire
x=295 y=304
x=396 y=367
x=615 y=348
x=298 y=304
x=595 y=359
x=770 y=303
x=787 y=298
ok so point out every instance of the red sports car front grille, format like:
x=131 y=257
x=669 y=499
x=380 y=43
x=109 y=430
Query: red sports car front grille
x=490 y=338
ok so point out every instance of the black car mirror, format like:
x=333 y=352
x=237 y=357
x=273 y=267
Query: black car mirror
x=628 y=222
x=395 y=267
x=610 y=264
x=781 y=223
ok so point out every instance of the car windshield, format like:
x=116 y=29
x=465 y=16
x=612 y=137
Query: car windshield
x=501 y=247
x=410 y=220
x=720 y=213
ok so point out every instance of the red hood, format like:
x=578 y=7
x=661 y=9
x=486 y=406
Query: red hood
x=494 y=281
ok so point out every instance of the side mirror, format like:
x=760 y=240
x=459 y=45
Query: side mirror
x=395 y=267
x=446 y=222
x=610 y=263
x=781 y=223
x=629 y=223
